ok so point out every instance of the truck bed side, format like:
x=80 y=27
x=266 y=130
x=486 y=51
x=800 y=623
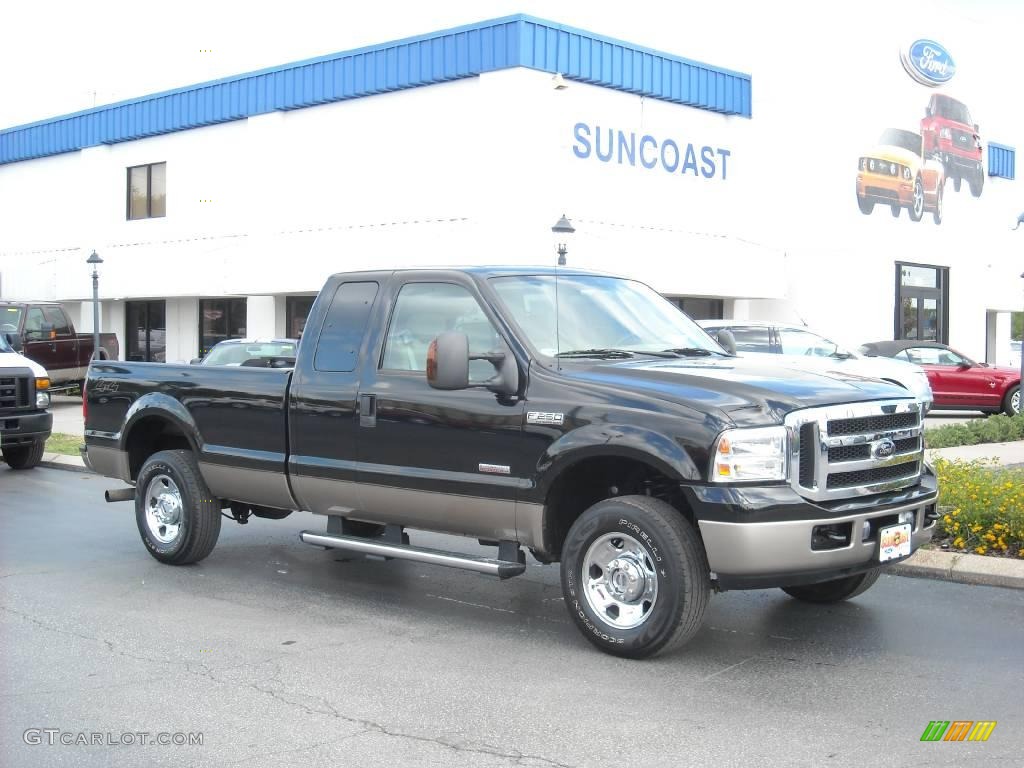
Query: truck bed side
x=235 y=419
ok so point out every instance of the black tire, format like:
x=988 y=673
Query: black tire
x=977 y=184
x=895 y=211
x=866 y=206
x=1008 y=408
x=24 y=456
x=665 y=544
x=916 y=208
x=957 y=181
x=199 y=519
x=837 y=590
x=937 y=213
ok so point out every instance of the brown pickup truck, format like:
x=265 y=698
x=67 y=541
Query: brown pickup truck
x=49 y=339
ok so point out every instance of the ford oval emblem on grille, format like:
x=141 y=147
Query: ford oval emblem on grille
x=883 y=449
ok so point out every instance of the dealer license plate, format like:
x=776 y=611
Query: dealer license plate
x=894 y=542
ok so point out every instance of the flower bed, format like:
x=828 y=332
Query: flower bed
x=982 y=508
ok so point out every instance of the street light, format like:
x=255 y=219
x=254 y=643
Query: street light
x=95 y=260
x=1020 y=395
x=564 y=227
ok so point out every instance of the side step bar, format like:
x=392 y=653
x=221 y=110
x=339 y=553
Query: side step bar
x=503 y=569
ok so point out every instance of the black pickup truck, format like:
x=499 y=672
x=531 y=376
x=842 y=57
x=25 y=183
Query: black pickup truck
x=578 y=415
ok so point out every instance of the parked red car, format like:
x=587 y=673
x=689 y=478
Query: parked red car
x=957 y=382
x=948 y=131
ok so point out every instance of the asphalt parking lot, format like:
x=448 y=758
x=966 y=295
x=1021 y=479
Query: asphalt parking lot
x=281 y=656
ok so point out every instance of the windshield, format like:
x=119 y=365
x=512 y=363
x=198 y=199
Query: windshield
x=796 y=341
x=904 y=139
x=598 y=314
x=234 y=353
x=951 y=109
x=10 y=318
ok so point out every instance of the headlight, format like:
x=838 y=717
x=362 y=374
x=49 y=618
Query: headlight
x=750 y=454
x=871 y=164
x=892 y=168
x=42 y=396
x=906 y=173
x=863 y=163
x=945 y=133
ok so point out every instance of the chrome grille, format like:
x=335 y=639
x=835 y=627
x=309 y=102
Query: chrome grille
x=856 y=449
x=14 y=392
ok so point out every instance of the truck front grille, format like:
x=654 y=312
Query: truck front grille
x=14 y=392
x=856 y=449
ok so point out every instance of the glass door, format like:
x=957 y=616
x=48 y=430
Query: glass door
x=146 y=331
x=921 y=302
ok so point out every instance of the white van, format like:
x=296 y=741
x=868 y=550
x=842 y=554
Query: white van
x=25 y=418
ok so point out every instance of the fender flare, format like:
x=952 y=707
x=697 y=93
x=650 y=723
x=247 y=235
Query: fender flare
x=157 y=404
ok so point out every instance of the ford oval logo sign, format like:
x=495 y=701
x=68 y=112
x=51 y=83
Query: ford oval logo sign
x=884 y=448
x=928 y=63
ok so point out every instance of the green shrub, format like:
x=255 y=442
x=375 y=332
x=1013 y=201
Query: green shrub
x=994 y=429
x=983 y=507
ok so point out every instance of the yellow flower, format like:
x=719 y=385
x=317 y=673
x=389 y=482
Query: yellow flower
x=956 y=512
x=980 y=550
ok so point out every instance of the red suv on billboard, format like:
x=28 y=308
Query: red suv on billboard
x=948 y=130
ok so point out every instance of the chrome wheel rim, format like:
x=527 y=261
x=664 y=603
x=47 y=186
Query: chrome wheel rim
x=619 y=581
x=163 y=509
x=918 y=198
x=1015 y=402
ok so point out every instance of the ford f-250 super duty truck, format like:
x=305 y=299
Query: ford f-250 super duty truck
x=578 y=415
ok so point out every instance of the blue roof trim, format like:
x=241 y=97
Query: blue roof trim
x=467 y=51
x=1002 y=160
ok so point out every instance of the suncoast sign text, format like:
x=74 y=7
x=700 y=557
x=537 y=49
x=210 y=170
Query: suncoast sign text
x=642 y=149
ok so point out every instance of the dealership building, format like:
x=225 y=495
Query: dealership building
x=861 y=181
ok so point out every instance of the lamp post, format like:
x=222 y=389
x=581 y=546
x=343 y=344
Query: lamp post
x=563 y=227
x=95 y=260
x=1020 y=402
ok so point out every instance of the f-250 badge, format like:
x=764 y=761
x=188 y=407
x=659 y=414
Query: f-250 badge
x=547 y=419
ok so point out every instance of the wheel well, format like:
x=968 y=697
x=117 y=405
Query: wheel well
x=150 y=435
x=592 y=480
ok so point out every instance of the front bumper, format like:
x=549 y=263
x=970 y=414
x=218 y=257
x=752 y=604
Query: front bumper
x=25 y=428
x=765 y=537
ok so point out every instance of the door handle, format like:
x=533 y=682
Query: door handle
x=367 y=410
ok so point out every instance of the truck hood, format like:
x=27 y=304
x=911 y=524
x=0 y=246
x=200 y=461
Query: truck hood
x=748 y=391
x=14 y=360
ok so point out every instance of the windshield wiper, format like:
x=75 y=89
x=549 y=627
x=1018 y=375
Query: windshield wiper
x=690 y=351
x=606 y=353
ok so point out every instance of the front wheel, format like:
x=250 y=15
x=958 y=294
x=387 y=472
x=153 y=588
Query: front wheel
x=866 y=206
x=976 y=183
x=24 y=456
x=916 y=207
x=178 y=518
x=836 y=590
x=634 y=576
x=1011 y=403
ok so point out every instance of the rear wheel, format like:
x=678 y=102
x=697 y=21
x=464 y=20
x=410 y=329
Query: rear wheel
x=977 y=183
x=937 y=213
x=24 y=456
x=177 y=516
x=836 y=590
x=956 y=183
x=1011 y=403
x=634 y=576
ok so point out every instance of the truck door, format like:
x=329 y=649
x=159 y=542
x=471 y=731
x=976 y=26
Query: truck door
x=63 y=336
x=323 y=409
x=42 y=346
x=441 y=460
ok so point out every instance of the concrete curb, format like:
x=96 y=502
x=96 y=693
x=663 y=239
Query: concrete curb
x=60 y=461
x=963 y=568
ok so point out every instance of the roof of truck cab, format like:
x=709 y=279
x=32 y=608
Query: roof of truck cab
x=490 y=271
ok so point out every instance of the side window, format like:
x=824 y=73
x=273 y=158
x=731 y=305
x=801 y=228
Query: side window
x=904 y=354
x=422 y=312
x=934 y=356
x=337 y=348
x=34 y=324
x=55 y=316
x=751 y=338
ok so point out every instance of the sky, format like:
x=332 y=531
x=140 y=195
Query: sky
x=60 y=56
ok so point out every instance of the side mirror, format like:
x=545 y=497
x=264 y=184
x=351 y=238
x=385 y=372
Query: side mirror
x=195 y=361
x=976 y=130
x=964 y=366
x=448 y=365
x=14 y=339
x=727 y=340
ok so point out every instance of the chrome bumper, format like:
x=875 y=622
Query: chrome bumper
x=760 y=549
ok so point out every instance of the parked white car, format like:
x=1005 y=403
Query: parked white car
x=25 y=419
x=799 y=347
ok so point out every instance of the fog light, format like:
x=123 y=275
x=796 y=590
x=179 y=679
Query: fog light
x=907 y=518
x=865 y=531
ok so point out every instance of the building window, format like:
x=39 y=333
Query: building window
x=700 y=308
x=1001 y=160
x=220 y=319
x=147 y=191
x=922 y=294
x=296 y=310
x=146 y=331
